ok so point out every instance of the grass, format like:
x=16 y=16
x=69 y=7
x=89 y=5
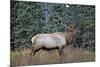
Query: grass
x=22 y=58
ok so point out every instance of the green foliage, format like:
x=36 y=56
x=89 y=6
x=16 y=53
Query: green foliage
x=28 y=19
x=25 y=19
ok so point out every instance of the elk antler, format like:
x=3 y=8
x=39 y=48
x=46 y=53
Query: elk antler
x=64 y=25
x=73 y=25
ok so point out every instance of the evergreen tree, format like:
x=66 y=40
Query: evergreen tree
x=31 y=18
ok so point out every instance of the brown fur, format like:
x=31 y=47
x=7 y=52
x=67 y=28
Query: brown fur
x=69 y=36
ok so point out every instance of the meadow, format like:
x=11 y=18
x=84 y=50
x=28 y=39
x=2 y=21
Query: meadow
x=22 y=57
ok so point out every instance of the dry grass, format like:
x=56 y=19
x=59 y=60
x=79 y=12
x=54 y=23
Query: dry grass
x=23 y=58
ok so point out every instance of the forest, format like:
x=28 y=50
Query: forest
x=31 y=18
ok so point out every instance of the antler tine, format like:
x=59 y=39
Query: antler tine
x=73 y=25
x=64 y=25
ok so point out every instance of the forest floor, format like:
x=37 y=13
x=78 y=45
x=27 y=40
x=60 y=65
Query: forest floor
x=22 y=58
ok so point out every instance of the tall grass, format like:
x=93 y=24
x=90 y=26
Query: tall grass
x=22 y=58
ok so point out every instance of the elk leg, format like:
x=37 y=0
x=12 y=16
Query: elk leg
x=61 y=53
x=74 y=43
x=69 y=43
x=31 y=51
x=34 y=51
x=69 y=46
x=37 y=48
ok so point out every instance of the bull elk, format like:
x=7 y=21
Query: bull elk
x=54 y=40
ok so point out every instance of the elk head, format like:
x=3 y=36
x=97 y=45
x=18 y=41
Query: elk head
x=73 y=28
